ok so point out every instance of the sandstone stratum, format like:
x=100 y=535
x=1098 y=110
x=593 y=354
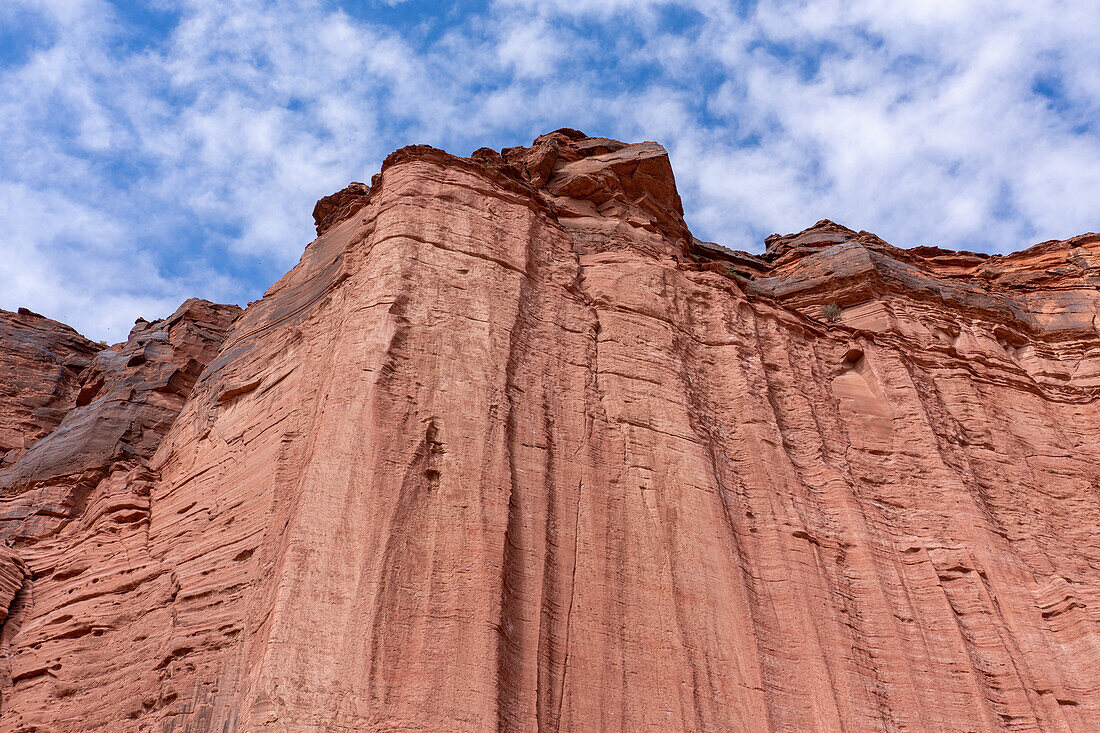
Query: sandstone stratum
x=510 y=450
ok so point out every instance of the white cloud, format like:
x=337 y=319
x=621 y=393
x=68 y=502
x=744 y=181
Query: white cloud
x=52 y=243
x=530 y=49
x=202 y=152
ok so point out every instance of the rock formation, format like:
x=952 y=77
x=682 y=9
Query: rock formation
x=510 y=450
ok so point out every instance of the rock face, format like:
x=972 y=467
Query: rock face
x=40 y=364
x=75 y=570
x=510 y=450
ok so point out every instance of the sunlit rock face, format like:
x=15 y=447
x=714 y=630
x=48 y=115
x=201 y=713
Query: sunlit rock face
x=510 y=450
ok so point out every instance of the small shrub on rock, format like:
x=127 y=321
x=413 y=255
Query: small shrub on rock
x=831 y=312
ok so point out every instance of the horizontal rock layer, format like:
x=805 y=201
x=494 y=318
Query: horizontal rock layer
x=510 y=450
x=79 y=590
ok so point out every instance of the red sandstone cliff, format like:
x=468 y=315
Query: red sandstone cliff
x=510 y=450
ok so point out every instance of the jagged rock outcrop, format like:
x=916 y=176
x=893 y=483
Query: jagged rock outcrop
x=40 y=364
x=75 y=571
x=510 y=450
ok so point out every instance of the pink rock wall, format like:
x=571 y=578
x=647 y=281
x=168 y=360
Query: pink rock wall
x=510 y=450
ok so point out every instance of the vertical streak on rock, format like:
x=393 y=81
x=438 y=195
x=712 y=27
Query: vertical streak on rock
x=533 y=591
x=527 y=462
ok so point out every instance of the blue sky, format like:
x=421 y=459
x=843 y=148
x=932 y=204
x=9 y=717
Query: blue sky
x=174 y=148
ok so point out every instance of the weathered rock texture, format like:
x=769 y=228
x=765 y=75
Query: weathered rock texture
x=40 y=365
x=510 y=450
x=77 y=580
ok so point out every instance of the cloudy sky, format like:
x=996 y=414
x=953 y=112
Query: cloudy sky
x=152 y=151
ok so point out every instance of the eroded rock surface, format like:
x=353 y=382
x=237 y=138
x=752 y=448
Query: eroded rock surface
x=510 y=450
x=40 y=364
x=75 y=571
